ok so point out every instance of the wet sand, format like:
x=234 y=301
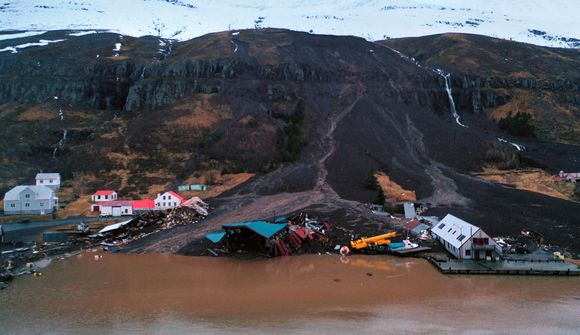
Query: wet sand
x=169 y=294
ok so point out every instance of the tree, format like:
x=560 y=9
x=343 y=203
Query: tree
x=518 y=125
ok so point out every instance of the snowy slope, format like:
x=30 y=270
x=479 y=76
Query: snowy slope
x=543 y=22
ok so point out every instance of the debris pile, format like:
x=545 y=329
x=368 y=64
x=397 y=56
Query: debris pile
x=151 y=222
x=283 y=237
x=527 y=242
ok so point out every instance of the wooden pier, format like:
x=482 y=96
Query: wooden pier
x=506 y=267
x=408 y=252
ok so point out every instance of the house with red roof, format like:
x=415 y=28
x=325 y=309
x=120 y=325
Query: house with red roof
x=168 y=200
x=104 y=195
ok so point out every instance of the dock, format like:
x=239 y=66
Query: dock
x=506 y=267
x=406 y=252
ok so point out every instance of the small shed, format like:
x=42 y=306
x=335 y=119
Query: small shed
x=104 y=195
x=51 y=180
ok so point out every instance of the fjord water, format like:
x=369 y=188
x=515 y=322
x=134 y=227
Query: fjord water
x=314 y=294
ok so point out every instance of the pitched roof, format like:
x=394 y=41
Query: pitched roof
x=104 y=192
x=262 y=228
x=143 y=204
x=216 y=236
x=47 y=175
x=454 y=230
x=40 y=191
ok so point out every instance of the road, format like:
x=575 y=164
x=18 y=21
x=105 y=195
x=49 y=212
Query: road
x=21 y=232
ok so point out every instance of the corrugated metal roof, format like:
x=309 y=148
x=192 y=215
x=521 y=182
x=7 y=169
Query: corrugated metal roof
x=451 y=229
x=216 y=236
x=114 y=226
x=40 y=191
x=262 y=228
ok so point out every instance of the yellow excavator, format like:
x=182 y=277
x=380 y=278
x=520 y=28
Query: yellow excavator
x=374 y=241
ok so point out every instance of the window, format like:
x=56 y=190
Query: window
x=99 y=197
x=27 y=196
x=12 y=205
x=163 y=204
x=467 y=252
x=175 y=204
x=41 y=181
x=449 y=230
x=441 y=226
x=163 y=197
x=26 y=205
x=460 y=237
x=42 y=204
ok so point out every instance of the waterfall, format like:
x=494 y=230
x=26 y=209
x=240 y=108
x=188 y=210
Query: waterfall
x=60 y=144
x=447 y=78
x=518 y=147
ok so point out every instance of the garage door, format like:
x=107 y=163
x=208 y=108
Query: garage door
x=117 y=211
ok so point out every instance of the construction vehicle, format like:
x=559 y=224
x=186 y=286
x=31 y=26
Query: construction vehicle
x=373 y=242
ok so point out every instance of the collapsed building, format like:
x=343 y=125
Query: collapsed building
x=283 y=237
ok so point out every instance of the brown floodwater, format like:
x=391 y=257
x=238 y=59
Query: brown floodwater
x=314 y=294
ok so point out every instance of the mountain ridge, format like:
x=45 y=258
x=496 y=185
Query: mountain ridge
x=545 y=23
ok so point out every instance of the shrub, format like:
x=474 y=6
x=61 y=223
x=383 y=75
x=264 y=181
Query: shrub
x=289 y=140
x=518 y=125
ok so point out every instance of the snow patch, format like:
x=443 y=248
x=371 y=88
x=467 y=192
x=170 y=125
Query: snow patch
x=40 y=43
x=20 y=35
x=83 y=33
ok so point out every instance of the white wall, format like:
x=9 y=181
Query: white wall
x=107 y=197
x=108 y=210
x=166 y=201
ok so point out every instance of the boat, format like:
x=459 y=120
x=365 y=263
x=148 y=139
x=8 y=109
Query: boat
x=403 y=246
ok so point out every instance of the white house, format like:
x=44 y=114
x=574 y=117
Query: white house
x=104 y=195
x=51 y=180
x=115 y=208
x=464 y=240
x=168 y=200
x=30 y=199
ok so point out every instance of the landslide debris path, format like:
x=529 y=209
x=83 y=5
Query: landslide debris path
x=243 y=207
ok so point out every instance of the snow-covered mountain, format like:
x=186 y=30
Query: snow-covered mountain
x=543 y=22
